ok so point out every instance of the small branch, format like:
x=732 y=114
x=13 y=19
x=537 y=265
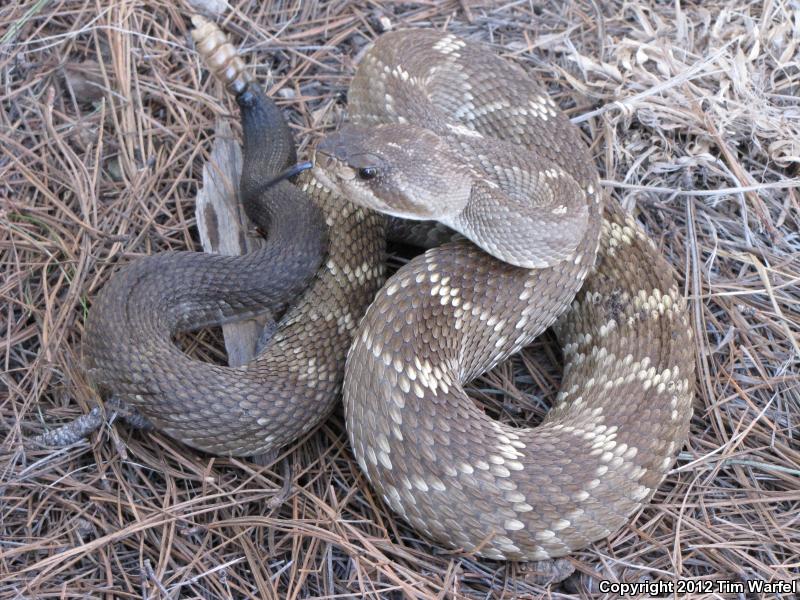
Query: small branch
x=279 y=498
x=82 y=427
x=72 y=432
x=773 y=185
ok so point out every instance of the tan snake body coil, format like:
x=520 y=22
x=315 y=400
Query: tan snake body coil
x=448 y=316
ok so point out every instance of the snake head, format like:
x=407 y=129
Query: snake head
x=401 y=170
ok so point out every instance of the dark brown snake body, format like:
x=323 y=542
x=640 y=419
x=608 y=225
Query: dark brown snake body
x=294 y=382
x=490 y=155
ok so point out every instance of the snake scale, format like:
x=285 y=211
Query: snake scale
x=439 y=128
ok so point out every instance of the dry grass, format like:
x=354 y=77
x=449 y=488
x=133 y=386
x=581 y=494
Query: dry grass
x=106 y=119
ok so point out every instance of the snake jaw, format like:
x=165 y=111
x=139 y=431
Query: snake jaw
x=327 y=163
x=338 y=177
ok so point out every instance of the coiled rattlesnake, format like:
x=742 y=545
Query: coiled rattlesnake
x=440 y=128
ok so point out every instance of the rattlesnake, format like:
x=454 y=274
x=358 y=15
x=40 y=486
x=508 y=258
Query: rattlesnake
x=442 y=128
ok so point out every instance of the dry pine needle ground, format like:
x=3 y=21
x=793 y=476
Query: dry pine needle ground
x=106 y=120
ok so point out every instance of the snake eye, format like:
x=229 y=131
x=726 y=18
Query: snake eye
x=367 y=173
